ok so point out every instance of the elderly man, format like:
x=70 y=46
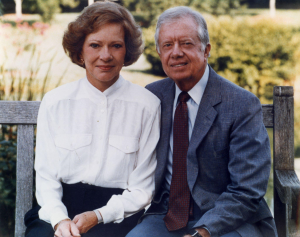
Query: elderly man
x=213 y=154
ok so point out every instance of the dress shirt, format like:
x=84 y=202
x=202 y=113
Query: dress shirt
x=193 y=103
x=105 y=139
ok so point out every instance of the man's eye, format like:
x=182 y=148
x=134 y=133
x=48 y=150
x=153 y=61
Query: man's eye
x=167 y=45
x=94 y=46
x=187 y=43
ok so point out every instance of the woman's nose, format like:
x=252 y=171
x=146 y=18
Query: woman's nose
x=105 y=54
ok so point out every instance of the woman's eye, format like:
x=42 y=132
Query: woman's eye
x=94 y=46
x=117 y=46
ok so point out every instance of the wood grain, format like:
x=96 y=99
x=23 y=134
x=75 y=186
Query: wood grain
x=19 y=112
x=268 y=115
x=283 y=135
x=25 y=153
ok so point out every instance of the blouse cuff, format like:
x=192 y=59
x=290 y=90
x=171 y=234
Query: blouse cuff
x=113 y=211
x=57 y=217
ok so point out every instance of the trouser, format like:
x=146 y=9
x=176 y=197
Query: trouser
x=79 y=198
x=152 y=224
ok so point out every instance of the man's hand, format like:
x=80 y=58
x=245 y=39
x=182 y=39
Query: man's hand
x=66 y=228
x=202 y=232
x=85 y=221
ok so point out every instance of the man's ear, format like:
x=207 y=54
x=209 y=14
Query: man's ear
x=207 y=50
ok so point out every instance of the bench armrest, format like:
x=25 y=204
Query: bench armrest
x=287 y=186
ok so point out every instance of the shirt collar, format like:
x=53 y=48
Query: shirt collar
x=109 y=91
x=197 y=91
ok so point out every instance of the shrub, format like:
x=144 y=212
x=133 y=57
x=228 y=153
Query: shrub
x=150 y=51
x=47 y=9
x=7 y=179
x=256 y=54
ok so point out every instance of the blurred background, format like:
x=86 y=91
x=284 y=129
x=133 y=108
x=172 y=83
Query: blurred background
x=255 y=44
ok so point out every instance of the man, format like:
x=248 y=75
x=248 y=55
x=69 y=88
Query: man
x=213 y=154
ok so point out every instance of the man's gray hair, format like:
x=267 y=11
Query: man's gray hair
x=175 y=13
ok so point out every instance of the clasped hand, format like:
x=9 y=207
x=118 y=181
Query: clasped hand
x=81 y=224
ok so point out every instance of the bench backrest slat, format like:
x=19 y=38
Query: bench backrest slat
x=25 y=154
x=19 y=112
x=268 y=113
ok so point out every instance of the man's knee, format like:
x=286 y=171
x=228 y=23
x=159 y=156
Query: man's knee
x=154 y=226
x=145 y=228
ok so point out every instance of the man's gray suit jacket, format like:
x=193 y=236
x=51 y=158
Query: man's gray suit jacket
x=228 y=160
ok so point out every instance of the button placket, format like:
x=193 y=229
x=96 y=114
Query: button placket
x=101 y=126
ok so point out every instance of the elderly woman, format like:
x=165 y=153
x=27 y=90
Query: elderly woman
x=96 y=137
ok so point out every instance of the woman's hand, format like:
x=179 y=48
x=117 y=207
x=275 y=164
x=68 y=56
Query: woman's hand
x=66 y=228
x=85 y=221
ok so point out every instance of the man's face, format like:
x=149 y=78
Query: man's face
x=180 y=52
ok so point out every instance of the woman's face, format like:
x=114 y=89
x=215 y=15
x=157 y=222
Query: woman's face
x=103 y=53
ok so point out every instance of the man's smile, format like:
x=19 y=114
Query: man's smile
x=178 y=64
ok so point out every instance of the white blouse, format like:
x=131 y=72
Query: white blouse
x=104 y=139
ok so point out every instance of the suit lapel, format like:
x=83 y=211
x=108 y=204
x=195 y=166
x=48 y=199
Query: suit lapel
x=166 y=125
x=205 y=117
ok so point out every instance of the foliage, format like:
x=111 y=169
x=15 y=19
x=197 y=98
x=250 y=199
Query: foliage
x=150 y=51
x=254 y=54
x=1 y=8
x=7 y=178
x=147 y=11
x=217 y=7
x=24 y=81
x=48 y=8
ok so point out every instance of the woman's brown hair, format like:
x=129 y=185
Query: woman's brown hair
x=95 y=16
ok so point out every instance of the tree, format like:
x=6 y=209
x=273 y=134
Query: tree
x=18 y=9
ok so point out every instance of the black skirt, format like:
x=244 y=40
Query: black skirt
x=79 y=198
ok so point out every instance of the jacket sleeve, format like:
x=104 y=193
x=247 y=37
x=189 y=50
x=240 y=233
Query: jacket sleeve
x=249 y=169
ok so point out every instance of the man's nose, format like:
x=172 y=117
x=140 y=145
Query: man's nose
x=105 y=54
x=177 y=51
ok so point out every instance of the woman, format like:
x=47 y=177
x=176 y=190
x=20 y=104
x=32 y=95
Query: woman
x=96 y=137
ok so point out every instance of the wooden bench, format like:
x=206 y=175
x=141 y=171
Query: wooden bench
x=279 y=116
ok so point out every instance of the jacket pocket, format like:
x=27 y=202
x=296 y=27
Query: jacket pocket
x=73 y=150
x=120 y=160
